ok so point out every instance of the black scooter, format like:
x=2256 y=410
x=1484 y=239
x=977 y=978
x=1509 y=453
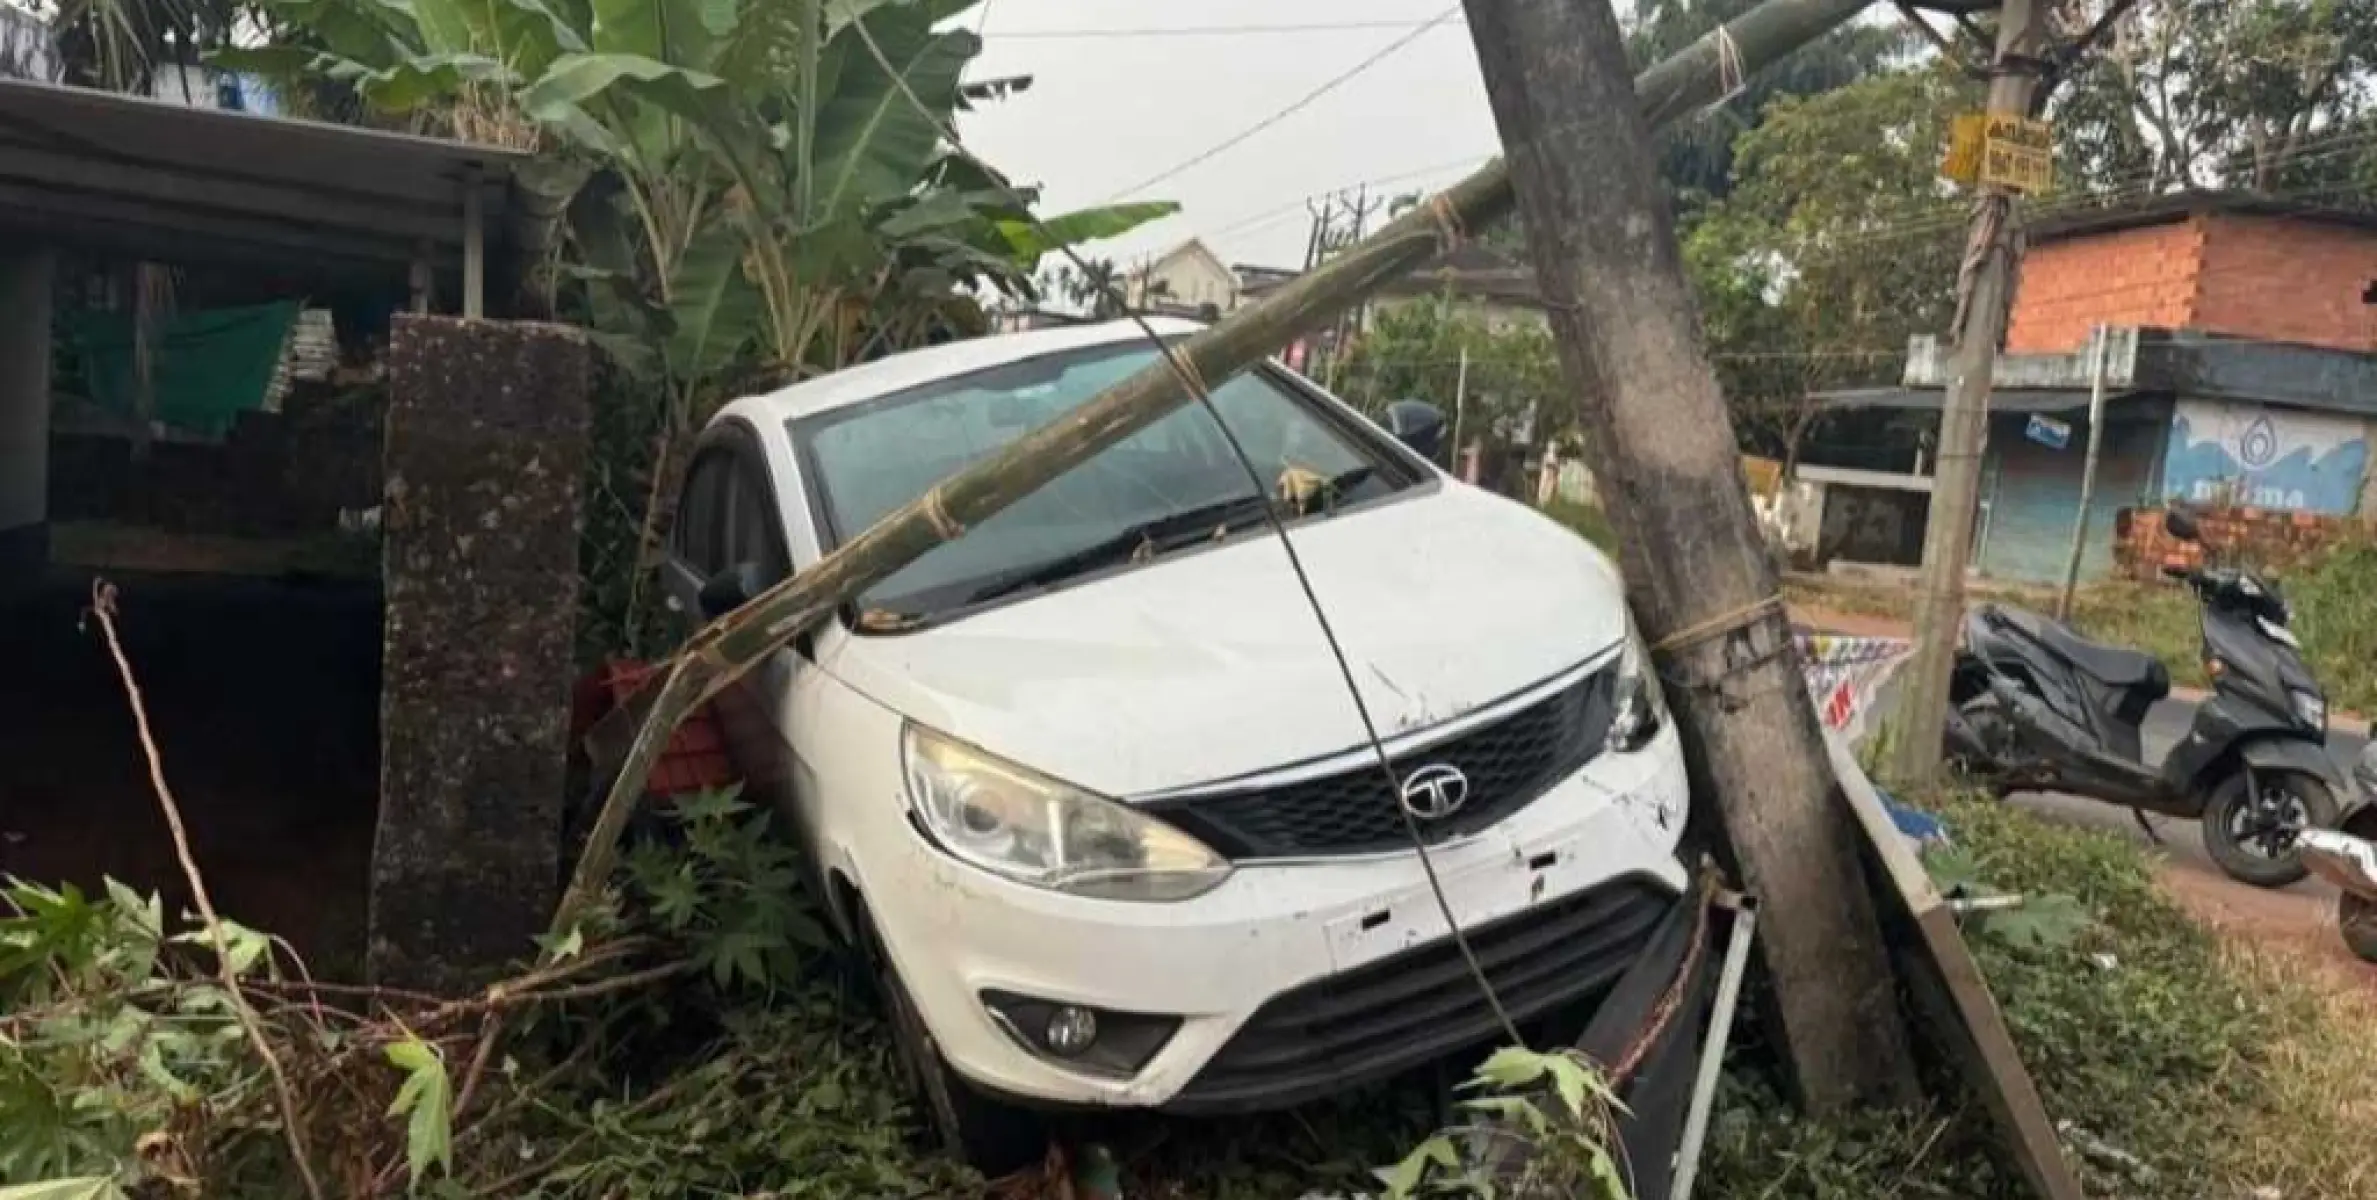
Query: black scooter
x=2035 y=707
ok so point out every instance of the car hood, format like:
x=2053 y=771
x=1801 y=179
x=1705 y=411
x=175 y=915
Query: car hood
x=1207 y=665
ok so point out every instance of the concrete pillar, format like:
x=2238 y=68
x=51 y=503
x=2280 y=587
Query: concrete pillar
x=487 y=435
x=25 y=277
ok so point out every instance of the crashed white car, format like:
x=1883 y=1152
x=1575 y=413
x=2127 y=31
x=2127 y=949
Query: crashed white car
x=1088 y=784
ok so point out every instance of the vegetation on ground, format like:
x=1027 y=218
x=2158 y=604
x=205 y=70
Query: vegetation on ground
x=691 y=1040
x=2174 y=1064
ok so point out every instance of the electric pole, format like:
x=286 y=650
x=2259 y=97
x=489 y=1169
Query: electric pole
x=1983 y=293
x=1663 y=450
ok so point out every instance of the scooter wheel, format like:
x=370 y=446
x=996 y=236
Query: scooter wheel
x=2356 y=916
x=2252 y=838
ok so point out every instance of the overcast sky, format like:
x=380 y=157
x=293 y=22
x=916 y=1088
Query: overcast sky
x=1104 y=114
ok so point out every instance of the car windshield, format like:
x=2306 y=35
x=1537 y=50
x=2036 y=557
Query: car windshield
x=1167 y=486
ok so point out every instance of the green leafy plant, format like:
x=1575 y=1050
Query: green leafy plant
x=426 y=1102
x=1551 y=1109
x=728 y=887
x=684 y=1040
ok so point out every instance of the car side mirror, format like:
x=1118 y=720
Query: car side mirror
x=2180 y=523
x=731 y=589
x=1417 y=424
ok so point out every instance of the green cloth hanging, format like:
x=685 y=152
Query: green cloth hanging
x=211 y=365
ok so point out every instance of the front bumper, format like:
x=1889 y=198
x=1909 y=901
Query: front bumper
x=1293 y=979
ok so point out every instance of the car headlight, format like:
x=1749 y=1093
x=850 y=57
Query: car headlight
x=2311 y=709
x=1642 y=706
x=1016 y=822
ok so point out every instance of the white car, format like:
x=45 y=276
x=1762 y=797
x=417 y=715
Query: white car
x=1089 y=785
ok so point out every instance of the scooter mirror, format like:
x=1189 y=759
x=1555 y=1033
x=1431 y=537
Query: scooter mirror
x=2180 y=524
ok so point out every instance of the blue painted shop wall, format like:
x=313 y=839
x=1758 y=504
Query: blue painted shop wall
x=2031 y=492
x=2265 y=457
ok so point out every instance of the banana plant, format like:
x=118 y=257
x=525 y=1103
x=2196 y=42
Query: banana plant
x=749 y=184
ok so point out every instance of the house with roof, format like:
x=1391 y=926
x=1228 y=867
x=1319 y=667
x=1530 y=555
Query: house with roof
x=346 y=545
x=1189 y=280
x=2238 y=364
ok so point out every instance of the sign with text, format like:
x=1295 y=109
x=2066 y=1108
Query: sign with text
x=2003 y=150
x=2018 y=154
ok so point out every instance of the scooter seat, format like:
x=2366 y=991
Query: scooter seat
x=2109 y=665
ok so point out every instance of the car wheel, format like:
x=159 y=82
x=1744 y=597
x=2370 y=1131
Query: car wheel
x=989 y=1135
x=2252 y=837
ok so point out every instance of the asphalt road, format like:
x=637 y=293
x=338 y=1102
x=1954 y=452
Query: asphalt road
x=2165 y=724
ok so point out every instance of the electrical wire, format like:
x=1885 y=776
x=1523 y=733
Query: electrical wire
x=1299 y=105
x=1195 y=386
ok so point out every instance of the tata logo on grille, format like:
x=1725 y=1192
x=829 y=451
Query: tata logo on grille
x=1435 y=791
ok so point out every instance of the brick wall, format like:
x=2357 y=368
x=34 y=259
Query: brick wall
x=2284 y=279
x=2255 y=536
x=2143 y=276
x=2288 y=280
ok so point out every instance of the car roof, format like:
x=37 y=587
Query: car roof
x=899 y=372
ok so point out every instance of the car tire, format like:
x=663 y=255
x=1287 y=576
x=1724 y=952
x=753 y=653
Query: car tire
x=987 y=1134
x=2223 y=811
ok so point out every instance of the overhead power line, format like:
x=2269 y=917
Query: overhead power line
x=1292 y=109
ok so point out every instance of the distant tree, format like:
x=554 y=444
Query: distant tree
x=1837 y=241
x=2272 y=95
x=1696 y=153
x=1413 y=350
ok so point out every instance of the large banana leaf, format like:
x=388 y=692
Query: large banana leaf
x=577 y=78
x=685 y=32
x=376 y=33
x=527 y=34
x=414 y=82
x=1030 y=241
x=871 y=144
x=444 y=27
x=712 y=307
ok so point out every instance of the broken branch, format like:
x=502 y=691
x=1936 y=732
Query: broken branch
x=103 y=606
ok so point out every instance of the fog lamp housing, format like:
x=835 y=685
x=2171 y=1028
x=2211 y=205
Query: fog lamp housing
x=1079 y=1037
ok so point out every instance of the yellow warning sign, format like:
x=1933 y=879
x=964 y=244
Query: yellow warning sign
x=1963 y=163
x=2015 y=153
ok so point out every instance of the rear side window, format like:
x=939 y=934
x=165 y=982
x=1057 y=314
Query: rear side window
x=726 y=518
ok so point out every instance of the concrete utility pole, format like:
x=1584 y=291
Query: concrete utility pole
x=1663 y=452
x=1983 y=294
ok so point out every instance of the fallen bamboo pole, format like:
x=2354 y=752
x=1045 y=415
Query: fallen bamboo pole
x=1709 y=70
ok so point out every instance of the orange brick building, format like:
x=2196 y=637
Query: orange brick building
x=2242 y=371
x=2219 y=264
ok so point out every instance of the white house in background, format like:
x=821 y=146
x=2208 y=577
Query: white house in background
x=27 y=51
x=194 y=86
x=1183 y=281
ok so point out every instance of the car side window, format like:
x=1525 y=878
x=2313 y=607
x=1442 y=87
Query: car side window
x=750 y=531
x=701 y=512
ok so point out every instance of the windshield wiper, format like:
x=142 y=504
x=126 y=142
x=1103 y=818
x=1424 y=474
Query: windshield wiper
x=1144 y=539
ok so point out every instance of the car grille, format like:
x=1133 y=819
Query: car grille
x=1375 y=1021
x=1508 y=763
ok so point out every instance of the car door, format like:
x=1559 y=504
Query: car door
x=727 y=517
